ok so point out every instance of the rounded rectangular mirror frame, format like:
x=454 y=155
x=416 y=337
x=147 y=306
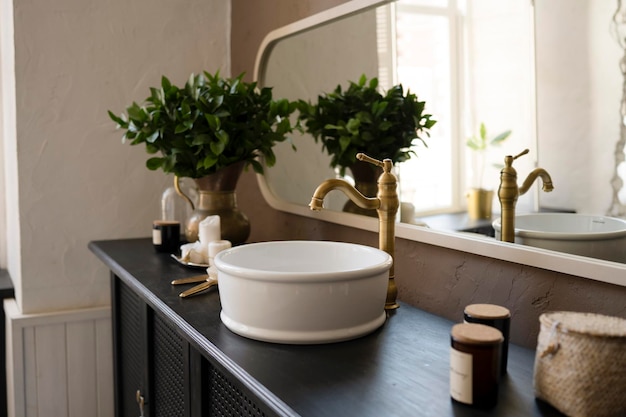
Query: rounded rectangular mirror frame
x=605 y=271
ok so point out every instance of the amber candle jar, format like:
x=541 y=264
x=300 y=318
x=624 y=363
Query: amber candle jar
x=494 y=316
x=475 y=364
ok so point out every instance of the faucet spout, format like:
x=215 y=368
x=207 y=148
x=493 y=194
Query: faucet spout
x=545 y=179
x=508 y=192
x=347 y=188
x=386 y=204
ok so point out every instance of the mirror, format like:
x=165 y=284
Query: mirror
x=308 y=63
x=578 y=109
x=316 y=43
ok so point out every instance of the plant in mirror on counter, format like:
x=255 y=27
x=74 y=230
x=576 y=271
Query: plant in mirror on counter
x=209 y=124
x=480 y=198
x=480 y=145
x=362 y=119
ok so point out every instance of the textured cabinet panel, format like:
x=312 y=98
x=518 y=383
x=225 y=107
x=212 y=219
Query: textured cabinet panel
x=227 y=400
x=168 y=370
x=131 y=360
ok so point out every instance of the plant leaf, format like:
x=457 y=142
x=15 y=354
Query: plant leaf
x=501 y=138
x=154 y=163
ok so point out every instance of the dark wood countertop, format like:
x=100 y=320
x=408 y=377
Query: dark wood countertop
x=402 y=369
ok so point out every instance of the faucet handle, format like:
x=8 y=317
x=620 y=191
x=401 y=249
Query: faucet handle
x=508 y=160
x=385 y=164
x=362 y=157
x=524 y=152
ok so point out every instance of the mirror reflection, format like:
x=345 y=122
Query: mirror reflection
x=506 y=67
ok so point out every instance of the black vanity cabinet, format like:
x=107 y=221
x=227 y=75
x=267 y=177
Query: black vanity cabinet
x=151 y=359
x=183 y=361
x=159 y=371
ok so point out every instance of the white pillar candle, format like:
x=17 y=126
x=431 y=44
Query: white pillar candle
x=216 y=247
x=209 y=230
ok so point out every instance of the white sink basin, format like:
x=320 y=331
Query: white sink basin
x=303 y=292
x=599 y=237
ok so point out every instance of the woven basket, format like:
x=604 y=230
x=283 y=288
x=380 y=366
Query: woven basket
x=580 y=366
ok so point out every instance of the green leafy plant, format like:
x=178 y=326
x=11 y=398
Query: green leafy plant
x=210 y=123
x=361 y=119
x=481 y=143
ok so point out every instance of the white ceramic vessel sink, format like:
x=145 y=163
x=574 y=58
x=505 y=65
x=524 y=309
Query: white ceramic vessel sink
x=303 y=292
x=599 y=237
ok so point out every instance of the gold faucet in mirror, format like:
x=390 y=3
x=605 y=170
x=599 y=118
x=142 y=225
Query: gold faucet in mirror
x=386 y=204
x=508 y=192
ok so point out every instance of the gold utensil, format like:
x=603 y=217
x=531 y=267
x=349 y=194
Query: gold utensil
x=191 y=280
x=209 y=282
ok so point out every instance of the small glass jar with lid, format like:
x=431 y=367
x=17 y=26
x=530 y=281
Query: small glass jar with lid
x=495 y=316
x=475 y=364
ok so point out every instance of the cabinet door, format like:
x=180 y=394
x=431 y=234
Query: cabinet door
x=169 y=388
x=129 y=335
x=154 y=361
x=151 y=359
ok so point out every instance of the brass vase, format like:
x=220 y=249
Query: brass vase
x=479 y=202
x=366 y=182
x=216 y=196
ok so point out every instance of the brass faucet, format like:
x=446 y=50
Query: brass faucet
x=508 y=192
x=386 y=204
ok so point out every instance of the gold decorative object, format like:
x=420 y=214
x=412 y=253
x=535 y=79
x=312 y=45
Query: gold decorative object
x=508 y=192
x=216 y=196
x=190 y=280
x=386 y=204
x=211 y=281
x=479 y=203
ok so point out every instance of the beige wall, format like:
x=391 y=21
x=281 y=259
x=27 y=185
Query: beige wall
x=70 y=180
x=253 y=20
x=432 y=278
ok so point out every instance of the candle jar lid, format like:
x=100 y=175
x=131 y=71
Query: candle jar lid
x=487 y=311
x=476 y=334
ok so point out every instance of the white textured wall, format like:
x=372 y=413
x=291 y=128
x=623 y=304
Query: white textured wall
x=578 y=101
x=8 y=149
x=74 y=180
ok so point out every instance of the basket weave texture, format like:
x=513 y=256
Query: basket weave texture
x=580 y=365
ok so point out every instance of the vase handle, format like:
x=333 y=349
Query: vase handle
x=180 y=192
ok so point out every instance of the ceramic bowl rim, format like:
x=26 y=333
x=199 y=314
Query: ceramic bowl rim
x=538 y=234
x=372 y=269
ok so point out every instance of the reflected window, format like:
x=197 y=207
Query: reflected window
x=472 y=62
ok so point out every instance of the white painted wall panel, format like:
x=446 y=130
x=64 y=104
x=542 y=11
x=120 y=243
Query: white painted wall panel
x=81 y=368
x=51 y=366
x=104 y=368
x=59 y=364
x=29 y=378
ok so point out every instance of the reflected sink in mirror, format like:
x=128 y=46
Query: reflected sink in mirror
x=599 y=237
x=303 y=292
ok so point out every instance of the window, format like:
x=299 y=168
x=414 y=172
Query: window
x=472 y=62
